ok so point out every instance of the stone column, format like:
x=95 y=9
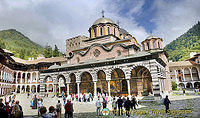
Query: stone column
x=67 y=88
x=16 y=77
x=95 y=89
x=78 y=90
x=183 y=74
x=129 y=90
x=109 y=87
x=176 y=76
x=1 y=75
x=31 y=77
x=26 y=77
x=21 y=78
x=191 y=73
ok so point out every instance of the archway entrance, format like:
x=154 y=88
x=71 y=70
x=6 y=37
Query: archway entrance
x=197 y=85
x=27 y=88
x=72 y=85
x=61 y=83
x=18 y=89
x=102 y=85
x=141 y=81
x=87 y=84
x=118 y=84
x=33 y=88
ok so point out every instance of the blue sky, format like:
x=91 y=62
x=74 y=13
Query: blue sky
x=54 y=21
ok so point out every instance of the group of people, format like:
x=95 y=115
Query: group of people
x=55 y=112
x=118 y=105
x=85 y=97
x=10 y=109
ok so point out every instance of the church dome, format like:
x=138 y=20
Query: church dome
x=103 y=20
x=151 y=37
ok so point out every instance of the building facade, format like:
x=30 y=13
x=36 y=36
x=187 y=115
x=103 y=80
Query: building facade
x=186 y=74
x=110 y=61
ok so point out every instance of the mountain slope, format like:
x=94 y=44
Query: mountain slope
x=19 y=44
x=180 y=48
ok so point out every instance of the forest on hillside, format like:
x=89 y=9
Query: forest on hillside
x=180 y=48
x=23 y=47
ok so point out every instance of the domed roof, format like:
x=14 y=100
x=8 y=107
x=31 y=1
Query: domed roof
x=54 y=66
x=103 y=20
x=123 y=31
x=151 y=37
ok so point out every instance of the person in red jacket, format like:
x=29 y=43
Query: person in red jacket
x=68 y=109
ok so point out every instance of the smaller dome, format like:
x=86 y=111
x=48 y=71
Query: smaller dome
x=103 y=20
x=151 y=37
x=54 y=66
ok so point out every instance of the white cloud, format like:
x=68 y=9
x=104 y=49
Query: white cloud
x=53 y=22
x=173 y=18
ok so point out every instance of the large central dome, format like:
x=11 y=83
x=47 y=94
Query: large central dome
x=103 y=20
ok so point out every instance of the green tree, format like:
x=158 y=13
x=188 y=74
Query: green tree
x=56 y=52
x=2 y=44
x=174 y=85
x=22 y=53
x=48 y=52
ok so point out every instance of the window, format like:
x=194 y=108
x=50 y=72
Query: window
x=118 y=53
x=95 y=33
x=96 y=53
x=153 y=44
x=158 y=44
x=78 y=59
x=108 y=30
x=148 y=47
x=101 y=31
x=114 y=31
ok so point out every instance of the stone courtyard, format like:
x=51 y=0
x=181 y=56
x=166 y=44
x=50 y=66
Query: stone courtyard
x=179 y=102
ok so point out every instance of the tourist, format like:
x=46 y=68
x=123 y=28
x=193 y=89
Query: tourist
x=64 y=100
x=119 y=103
x=104 y=103
x=85 y=100
x=17 y=110
x=68 y=110
x=7 y=108
x=3 y=112
x=1 y=101
x=166 y=103
x=81 y=96
x=90 y=97
x=114 y=106
x=133 y=103
x=39 y=105
x=184 y=92
x=9 y=99
x=127 y=106
x=35 y=102
x=43 y=112
x=58 y=109
x=52 y=112
x=98 y=105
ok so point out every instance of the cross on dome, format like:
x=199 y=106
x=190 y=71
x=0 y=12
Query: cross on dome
x=102 y=13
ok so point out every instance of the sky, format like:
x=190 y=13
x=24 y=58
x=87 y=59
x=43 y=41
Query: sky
x=53 y=21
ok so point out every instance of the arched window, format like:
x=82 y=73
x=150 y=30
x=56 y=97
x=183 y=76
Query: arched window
x=108 y=30
x=158 y=44
x=95 y=33
x=148 y=47
x=78 y=59
x=101 y=31
x=153 y=44
x=114 y=30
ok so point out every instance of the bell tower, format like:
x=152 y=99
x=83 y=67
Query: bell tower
x=152 y=42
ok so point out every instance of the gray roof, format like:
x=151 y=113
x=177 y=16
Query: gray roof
x=123 y=31
x=103 y=20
